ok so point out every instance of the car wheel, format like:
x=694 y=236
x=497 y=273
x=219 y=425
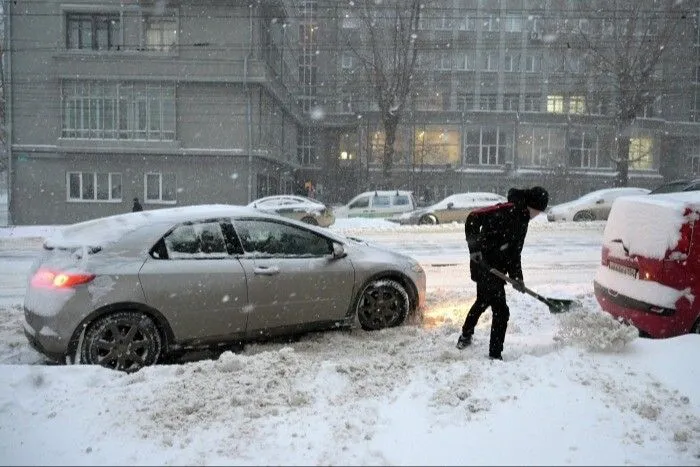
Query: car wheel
x=382 y=304
x=125 y=341
x=428 y=219
x=583 y=216
x=310 y=220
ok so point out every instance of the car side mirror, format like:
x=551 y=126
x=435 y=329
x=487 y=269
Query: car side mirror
x=339 y=250
x=450 y=205
x=600 y=201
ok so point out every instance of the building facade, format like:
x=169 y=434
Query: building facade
x=181 y=103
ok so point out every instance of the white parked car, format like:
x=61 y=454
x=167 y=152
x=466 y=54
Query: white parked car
x=296 y=207
x=594 y=206
x=454 y=208
x=378 y=203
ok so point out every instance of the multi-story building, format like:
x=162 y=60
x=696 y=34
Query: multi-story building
x=180 y=103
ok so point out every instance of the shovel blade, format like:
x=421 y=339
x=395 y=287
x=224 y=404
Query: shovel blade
x=560 y=305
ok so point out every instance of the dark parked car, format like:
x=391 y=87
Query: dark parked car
x=677 y=185
x=650 y=270
x=126 y=291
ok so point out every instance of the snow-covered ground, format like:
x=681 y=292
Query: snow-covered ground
x=574 y=389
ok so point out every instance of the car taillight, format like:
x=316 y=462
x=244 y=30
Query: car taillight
x=60 y=280
x=683 y=245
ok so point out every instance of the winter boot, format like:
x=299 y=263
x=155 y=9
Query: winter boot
x=463 y=341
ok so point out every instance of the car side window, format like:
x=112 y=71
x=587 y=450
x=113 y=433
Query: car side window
x=278 y=239
x=360 y=203
x=381 y=201
x=196 y=240
x=401 y=200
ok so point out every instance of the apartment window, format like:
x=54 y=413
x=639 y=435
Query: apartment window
x=577 y=105
x=444 y=21
x=93 y=31
x=306 y=147
x=436 y=145
x=511 y=102
x=490 y=61
x=491 y=23
x=583 y=149
x=531 y=64
x=160 y=33
x=468 y=22
x=464 y=61
x=510 y=63
x=485 y=146
x=160 y=188
x=538 y=146
x=94 y=186
x=531 y=103
x=584 y=25
x=466 y=102
x=444 y=61
x=555 y=104
x=114 y=110
x=640 y=153
x=513 y=23
x=488 y=102
x=346 y=61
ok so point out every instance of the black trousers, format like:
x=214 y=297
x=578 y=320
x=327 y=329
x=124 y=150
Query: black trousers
x=490 y=292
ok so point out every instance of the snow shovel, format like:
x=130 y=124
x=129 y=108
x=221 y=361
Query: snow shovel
x=556 y=305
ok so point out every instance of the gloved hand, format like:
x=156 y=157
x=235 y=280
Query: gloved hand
x=477 y=257
x=519 y=285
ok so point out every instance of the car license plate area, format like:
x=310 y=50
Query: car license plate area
x=622 y=269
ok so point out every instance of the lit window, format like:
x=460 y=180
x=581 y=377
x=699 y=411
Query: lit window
x=555 y=104
x=640 y=153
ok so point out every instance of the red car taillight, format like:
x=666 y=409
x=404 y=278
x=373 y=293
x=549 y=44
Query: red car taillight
x=47 y=278
x=683 y=244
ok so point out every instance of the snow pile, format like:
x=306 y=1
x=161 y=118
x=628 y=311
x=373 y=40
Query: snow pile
x=595 y=331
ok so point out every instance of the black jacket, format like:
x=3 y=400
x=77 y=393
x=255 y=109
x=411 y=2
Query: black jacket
x=498 y=232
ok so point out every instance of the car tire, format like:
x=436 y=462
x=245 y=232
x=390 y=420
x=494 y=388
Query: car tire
x=310 y=220
x=428 y=219
x=382 y=304
x=125 y=341
x=583 y=216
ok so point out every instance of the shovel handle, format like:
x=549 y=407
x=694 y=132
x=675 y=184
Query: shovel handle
x=513 y=282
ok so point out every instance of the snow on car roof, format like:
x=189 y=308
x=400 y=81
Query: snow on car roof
x=649 y=225
x=104 y=230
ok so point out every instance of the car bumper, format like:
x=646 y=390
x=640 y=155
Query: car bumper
x=48 y=334
x=50 y=347
x=649 y=319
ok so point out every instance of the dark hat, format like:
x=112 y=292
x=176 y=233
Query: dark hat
x=537 y=198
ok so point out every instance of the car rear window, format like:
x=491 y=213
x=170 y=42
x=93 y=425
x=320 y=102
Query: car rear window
x=650 y=226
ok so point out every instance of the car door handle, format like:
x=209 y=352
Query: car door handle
x=267 y=271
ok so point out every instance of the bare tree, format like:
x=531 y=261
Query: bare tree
x=386 y=48
x=624 y=44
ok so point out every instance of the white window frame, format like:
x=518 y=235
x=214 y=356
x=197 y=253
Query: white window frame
x=530 y=64
x=110 y=183
x=468 y=23
x=492 y=23
x=513 y=23
x=160 y=199
x=510 y=63
x=490 y=61
x=346 y=61
x=444 y=61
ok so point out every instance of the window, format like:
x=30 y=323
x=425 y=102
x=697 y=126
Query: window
x=468 y=22
x=486 y=146
x=538 y=146
x=510 y=63
x=490 y=61
x=160 y=188
x=531 y=103
x=577 y=105
x=444 y=21
x=109 y=110
x=346 y=61
x=466 y=102
x=160 y=33
x=306 y=147
x=583 y=149
x=267 y=238
x=444 y=61
x=640 y=153
x=511 y=101
x=436 y=145
x=488 y=102
x=94 y=186
x=362 y=202
x=531 y=64
x=555 y=104
x=491 y=23
x=203 y=240
x=93 y=31
x=464 y=61
x=381 y=201
x=513 y=23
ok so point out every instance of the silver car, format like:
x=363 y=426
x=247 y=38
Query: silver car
x=130 y=290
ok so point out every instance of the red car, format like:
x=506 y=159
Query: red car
x=650 y=270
